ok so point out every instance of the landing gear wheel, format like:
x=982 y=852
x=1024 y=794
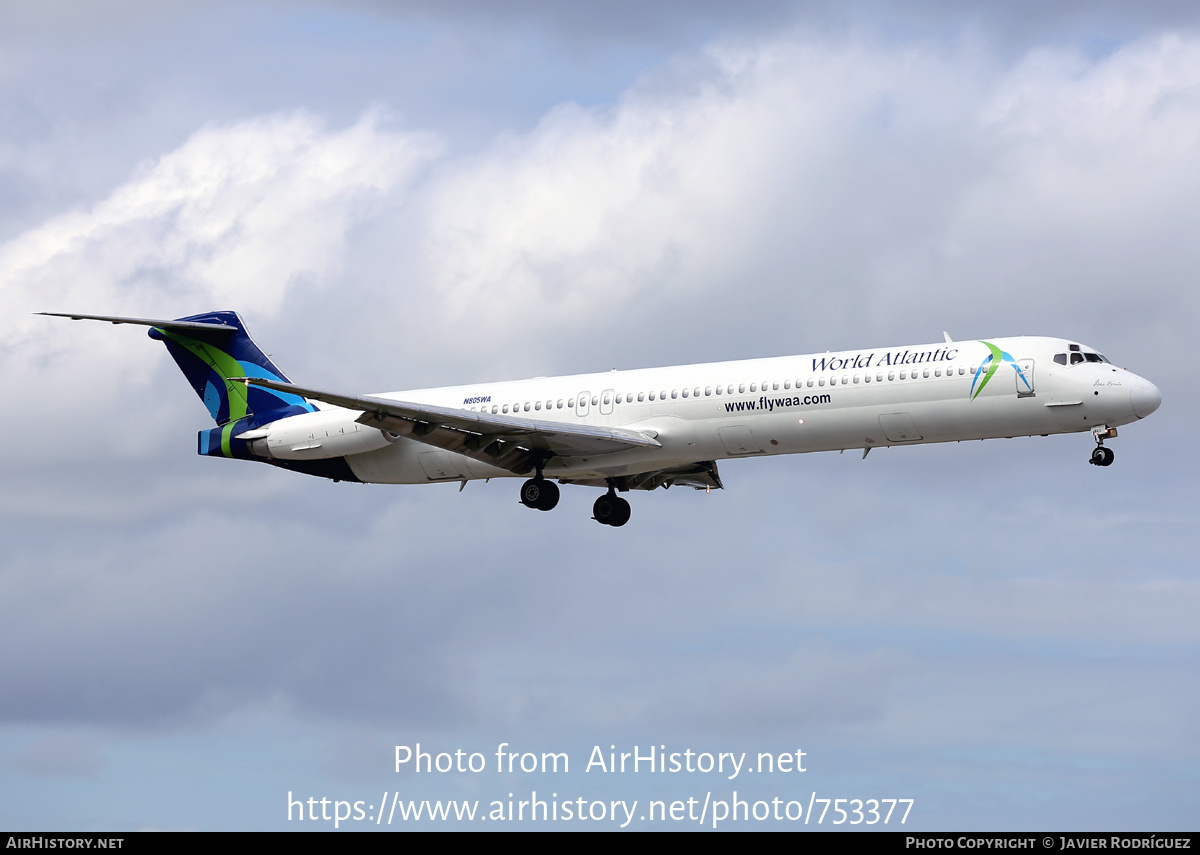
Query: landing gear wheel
x=622 y=514
x=539 y=493
x=611 y=509
x=1102 y=456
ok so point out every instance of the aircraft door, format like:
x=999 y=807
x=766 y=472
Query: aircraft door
x=1024 y=376
x=581 y=404
x=606 y=402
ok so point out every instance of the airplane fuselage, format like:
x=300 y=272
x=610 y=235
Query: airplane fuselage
x=859 y=399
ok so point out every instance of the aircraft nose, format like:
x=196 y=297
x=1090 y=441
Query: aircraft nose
x=1144 y=397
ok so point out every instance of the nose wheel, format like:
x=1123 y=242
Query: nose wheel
x=611 y=509
x=1102 y=456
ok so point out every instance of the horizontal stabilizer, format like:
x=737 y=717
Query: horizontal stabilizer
x=181 y=326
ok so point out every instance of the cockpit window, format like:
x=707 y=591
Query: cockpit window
x=1077 y=357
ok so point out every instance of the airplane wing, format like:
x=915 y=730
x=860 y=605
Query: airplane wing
x=510 y=442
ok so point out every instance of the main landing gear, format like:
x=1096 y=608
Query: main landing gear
x=539 y=493
x=1102 y=456
x=611 y=509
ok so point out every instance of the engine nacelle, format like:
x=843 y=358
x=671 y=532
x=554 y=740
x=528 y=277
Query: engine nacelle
x=316 y=436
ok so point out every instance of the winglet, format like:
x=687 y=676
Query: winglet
x=948 y=339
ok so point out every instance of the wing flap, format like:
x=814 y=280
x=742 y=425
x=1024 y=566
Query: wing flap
x=701 y=475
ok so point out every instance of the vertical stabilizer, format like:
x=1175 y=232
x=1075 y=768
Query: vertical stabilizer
x=210 y=361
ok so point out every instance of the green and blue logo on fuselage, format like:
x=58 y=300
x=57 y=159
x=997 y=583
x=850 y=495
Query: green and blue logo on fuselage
x=988 y=367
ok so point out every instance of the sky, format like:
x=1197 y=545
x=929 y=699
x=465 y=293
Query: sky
x=410 y=194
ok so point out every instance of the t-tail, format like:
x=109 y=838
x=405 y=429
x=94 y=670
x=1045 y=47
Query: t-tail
x=213 y=350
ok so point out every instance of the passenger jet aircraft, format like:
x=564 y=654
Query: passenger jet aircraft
x=655 y=427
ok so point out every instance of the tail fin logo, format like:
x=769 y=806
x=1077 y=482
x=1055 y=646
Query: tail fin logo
x=210 y=362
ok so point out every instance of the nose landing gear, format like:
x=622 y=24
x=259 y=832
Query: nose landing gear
x=1102 y=456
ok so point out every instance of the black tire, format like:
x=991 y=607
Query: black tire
x=1107 y=457
x=532 y=492
x=604 y=509
x=549 y=498
x=1098 y=456
x=611 y=509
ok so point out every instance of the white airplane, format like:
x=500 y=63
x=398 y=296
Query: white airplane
x=654 y=427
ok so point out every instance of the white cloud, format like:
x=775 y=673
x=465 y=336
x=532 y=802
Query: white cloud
x=236 y=217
